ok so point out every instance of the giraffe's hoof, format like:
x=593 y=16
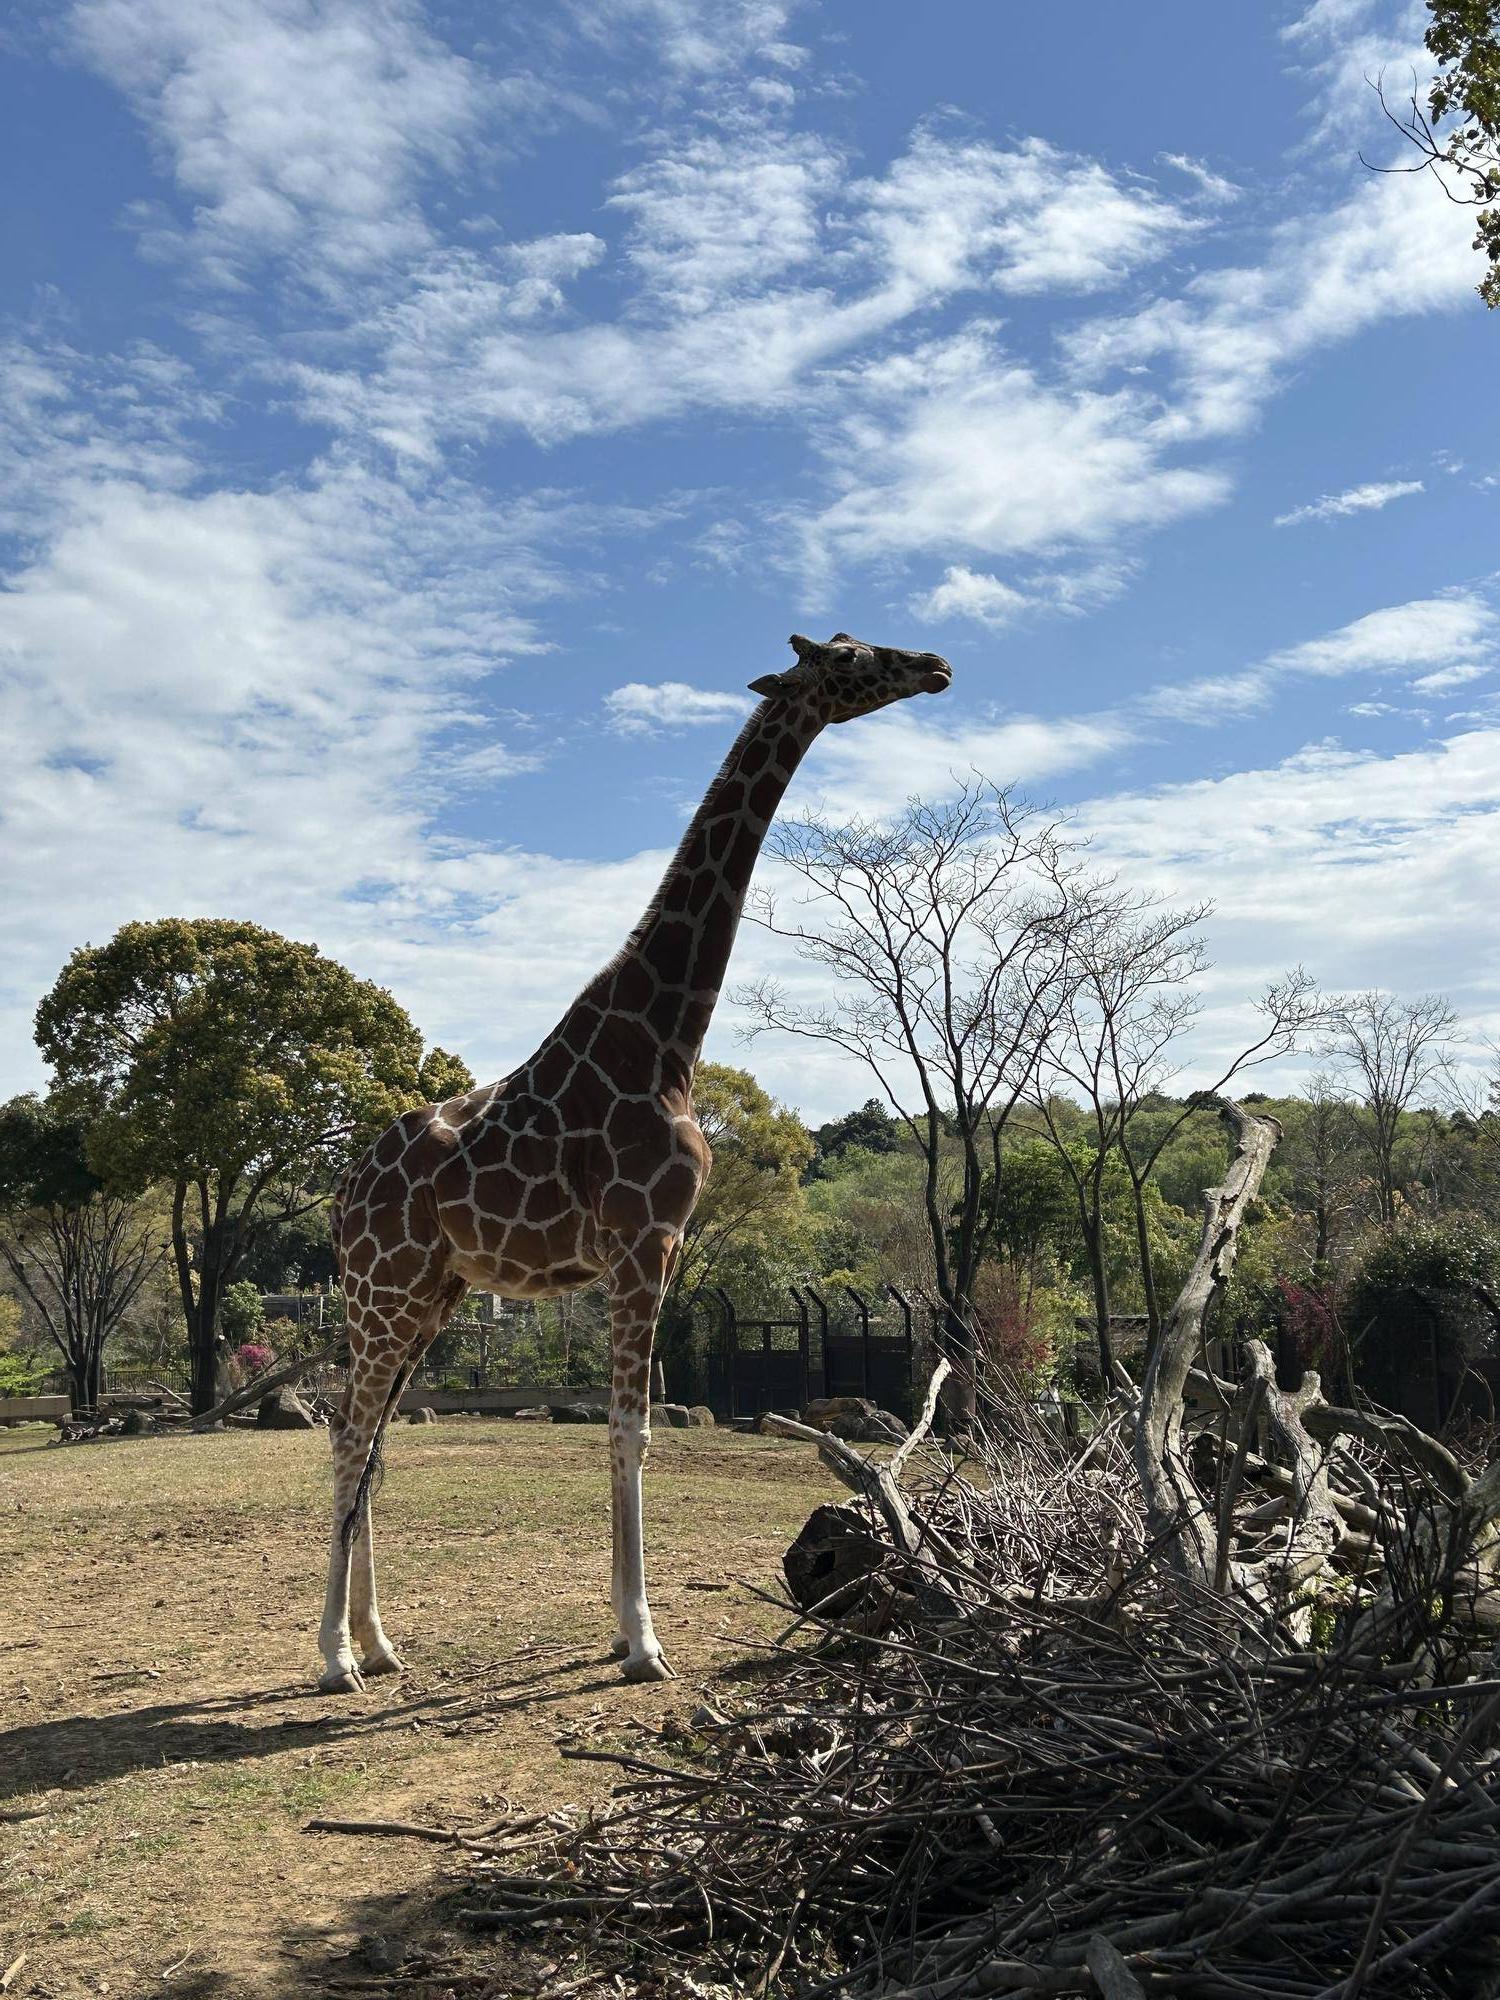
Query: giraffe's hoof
x=649 y=1667
x=342 y=1680
x=382 y=1663
x=619 y=1649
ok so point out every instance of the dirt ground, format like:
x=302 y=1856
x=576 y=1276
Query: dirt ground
x=161 y=1745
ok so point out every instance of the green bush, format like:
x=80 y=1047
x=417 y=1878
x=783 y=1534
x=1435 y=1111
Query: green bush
x=241 y=1314
x=20 y=1375
x=1422 y=1278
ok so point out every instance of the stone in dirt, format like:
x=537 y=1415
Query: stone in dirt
x=541 y=1415
x=284 y=1410
x=426 y=1415
x=578 y=1413
x=700 y=1417
x=674 y=1415
x=135 y=1423
x=855 y=1419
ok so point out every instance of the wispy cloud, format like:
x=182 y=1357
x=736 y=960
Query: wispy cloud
x=298 y=133
x=758 y=265
x=1355 y=500
x=1453 y=637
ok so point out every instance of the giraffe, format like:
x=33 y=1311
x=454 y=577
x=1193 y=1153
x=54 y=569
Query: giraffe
x=584 y=1163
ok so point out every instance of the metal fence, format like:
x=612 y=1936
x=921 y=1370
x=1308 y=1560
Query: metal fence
x=843 y=1344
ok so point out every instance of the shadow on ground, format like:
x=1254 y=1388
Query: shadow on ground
x=79 y=1751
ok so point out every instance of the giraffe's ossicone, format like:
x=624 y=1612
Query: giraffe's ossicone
x=584 y=1163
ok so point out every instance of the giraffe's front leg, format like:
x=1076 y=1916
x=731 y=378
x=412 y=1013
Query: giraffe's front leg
x=637 y=1280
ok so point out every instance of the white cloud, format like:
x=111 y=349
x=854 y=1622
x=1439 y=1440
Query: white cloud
x=1355 y=500
x=698 y=39
x=641 y=708
x=1352 y=863
x=910 y=751
x=728 y=227
x=1026 y=218
x=1427 y=632
x=1448 y=677
x=955 y=445
x=967 y=593
x=1393 y=248
x=298 y=131
x=1453 y=636
x=725 y=212
x=1214 y=187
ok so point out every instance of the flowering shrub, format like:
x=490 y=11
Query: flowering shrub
x=1307 y=1315
x=253 y=1357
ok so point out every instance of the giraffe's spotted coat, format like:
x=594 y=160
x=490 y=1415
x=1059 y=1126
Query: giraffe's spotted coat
x=586 y=1162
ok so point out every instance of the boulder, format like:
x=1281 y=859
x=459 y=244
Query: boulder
x=855 y=1419
x=847 y=1417
x=673 y=1415
x=700 y=1417
x=135 y=1423
x=284 y=1410
x=540 y=1415
x=425 y=1415
x=578 y=1413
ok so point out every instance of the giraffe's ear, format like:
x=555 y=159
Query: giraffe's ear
x=769 y=684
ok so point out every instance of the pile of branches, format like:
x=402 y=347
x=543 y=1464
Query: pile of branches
x=1197 y=1707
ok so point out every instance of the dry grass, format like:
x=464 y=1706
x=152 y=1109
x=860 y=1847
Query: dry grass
x=158 y=1650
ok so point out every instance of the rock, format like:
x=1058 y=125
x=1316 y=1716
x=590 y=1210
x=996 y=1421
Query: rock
x=673 y=1415
x=855 y=1419
x=847 y=1417
x=540 y=1415
x=284 y=1410
x=577 y=1413
x=700 y=1417
x=759 y=1425
x=135 y=1423
x=425 y=1415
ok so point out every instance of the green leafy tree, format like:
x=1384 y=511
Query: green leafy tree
x=750 y=1225
x=870 y=1129
x=1458 y=133
x=79 y=1252
x=237 y=1066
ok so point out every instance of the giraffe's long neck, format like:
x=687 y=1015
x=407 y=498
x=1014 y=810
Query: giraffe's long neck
x=670 y=969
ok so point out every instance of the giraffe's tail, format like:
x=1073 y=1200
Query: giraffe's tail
x=369 y=1479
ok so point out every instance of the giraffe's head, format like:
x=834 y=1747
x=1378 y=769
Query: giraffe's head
x=845 y=677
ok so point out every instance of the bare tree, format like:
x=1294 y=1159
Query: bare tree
x=79 y=1254
x=1320 y=1151
x=1392 y=1052
x=945 y=936
x=1130 y=974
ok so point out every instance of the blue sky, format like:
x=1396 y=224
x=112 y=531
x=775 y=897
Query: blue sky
x=419 y=426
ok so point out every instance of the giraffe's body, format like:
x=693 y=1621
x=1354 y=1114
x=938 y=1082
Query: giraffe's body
x=586 y=1162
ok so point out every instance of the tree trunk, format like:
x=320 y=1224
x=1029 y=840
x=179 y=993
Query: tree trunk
x=1093 y=1237
x=210 y=1372
x=1178 y=1518
x=81 y=1389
